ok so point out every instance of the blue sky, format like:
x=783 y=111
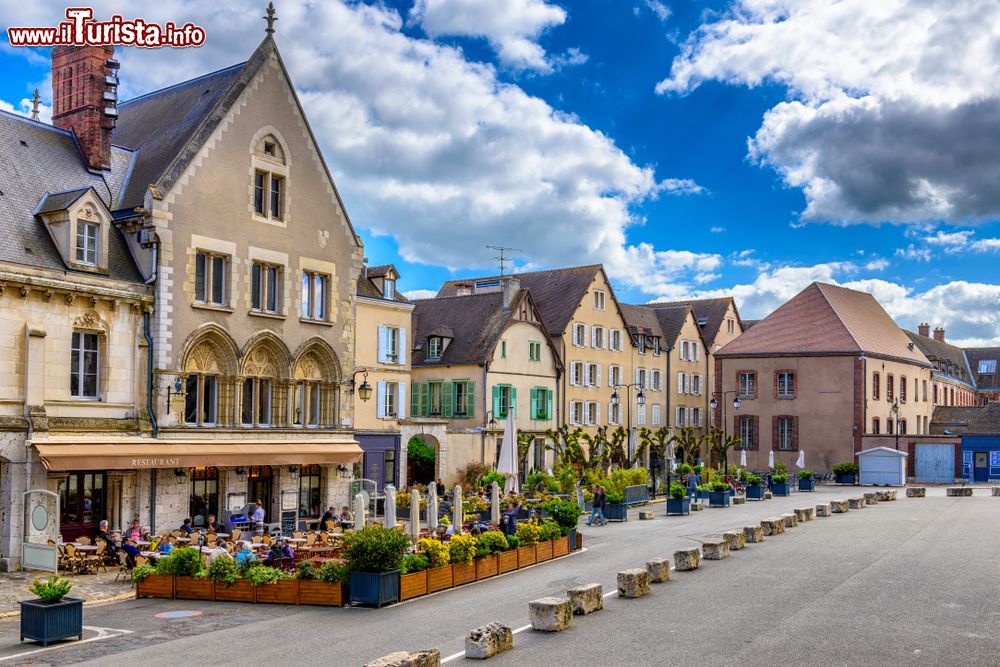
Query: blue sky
x=696 y=148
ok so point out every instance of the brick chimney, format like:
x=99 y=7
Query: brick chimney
x=924 y=330
x=84 y=96
x=510 y=288
x=939 y=334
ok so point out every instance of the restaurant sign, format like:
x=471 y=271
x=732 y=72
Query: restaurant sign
x=156 y=463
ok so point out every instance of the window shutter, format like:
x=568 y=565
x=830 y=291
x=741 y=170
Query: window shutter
x=470 y=388
x=548 y=403
x=597 y=407
x=637 y=376
x=380 y=400
x=496 y=402
x=447 y=390
x=680 y=383
x=383 y=343
x=795 y=432
x=534 y=403
x=415 y=400
x=583 y=337
x=774 y=432
x=402 y=346
x=401 y=410
x=597 y=382
x=586 y=375
x=425 y=400
x=513 y=400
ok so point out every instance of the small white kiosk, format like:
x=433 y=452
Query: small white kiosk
x=882 y=466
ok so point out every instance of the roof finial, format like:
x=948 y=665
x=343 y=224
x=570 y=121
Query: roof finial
x=270 y=18
x=35 y=100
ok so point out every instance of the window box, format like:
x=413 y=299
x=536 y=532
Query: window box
x=543 y=550
x=155 y=586
x=755 y=492
x=45 y=622
x=440 y=578
x=675 y=506
x=240 y=591
x=780 y=489
x=193 y=588
x=526 y=556
x=507 y=561
x=412 y=585
x=464 y=573
x=283 y=591
x=374 y=588
x=718 y=498
x=807 y=485
x=487 y=567
x=322 y=593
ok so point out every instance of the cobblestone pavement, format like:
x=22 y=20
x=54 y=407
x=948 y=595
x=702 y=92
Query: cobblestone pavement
x=93 y=588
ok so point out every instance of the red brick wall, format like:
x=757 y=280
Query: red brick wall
x=78 y=88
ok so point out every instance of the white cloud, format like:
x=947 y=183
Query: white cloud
x=512 y=27
x=986 y=245
x=717 y=230
x=913 y=252
x=877 y=265
x=894 y=109
x=23 y=108
x=415 y=294
x=661 y=11
x=952 y=240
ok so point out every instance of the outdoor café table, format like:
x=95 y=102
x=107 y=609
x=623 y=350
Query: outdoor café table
x=220 y=534
x=183 y=539
x=295 y=539
x=151 y=554
x=143 y=543
x=84 y=547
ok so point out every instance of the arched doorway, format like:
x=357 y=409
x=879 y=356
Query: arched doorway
x=421 y=459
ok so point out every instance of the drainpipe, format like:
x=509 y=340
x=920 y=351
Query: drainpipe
x=150 y=409
x=482 y=439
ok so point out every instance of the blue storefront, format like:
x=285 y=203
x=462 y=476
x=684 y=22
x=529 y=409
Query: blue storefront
x=381 y=457
x=981 y=458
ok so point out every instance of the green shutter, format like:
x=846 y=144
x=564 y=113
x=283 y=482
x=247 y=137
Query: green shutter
x=513 y=400
x=534 y=403
x=470 y=389
x=415 y=399
x=496 y=403
x=446 y=399
x=425 y=399
x=548 y=406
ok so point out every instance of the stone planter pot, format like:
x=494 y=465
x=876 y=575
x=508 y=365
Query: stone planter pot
x=526 y=556
x=543 y=551
x=487 y=567
x=846 y=479
x=755 y=492
x=560 y=547
x=464 y=573
x=46 y=622
x=508 y=561
x=807 y=484
x=440 y=578
x=241 y=591
x=681 y=506
x=412 y=585
x=322 y=593
x=374 y=588
x=155 y=586
x=718 y=498
x=780 y=489
x=283 y=591
x=616 y=512
x=193 y=588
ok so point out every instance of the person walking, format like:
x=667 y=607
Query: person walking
x=258 y=518
x=599 y=503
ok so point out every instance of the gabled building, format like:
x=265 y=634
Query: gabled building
x=984 y=363
x=952 y=381
x=687 y=372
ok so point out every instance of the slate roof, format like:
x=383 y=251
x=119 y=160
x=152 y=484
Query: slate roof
x=712 y=311
x=367 y=288
x=671 y=322
x=59 y=201
x=949 y=359
x=380 y=270
x=978 y=354
x=953 y=419
x=476 y=321
x=749 y=323
x=827 y=319
x=987 y=422
x=36 y=159
x=556 y=292
x=641 y=320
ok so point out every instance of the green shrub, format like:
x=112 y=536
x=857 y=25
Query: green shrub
x=805 y=473
x=684 y=469
x=779 y=478
x=754 y=480
x=492 y=476
x=140 y=572
x=415 y=563
x=223 y=570
x=536 y=481
x=566 y=513
x=781 y=467
x=260 y=575
x=52 y=589
x=491 y=542
x=718 y=486
x=549 y=530
x=697 y=469
x=462 y=548
x=621 y=478
x=845 y=469
x=306 y=571
x=183 y=562
x=677 y=491
x=436 y=551
x=513 y=542
x=375 y=549
x=528 y=533
x=615 y=497
x=333 y=572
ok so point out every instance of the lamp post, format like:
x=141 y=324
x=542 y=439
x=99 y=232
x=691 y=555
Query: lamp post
x=640 y=400
x=489 y=423
x=736 y=406
x=364 y=391
x=895 y=418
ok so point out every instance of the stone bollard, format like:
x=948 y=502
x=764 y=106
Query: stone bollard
x=687 y=560
x=489 y=640
x=804 y=513
x=839 y=506
x=550 y=614
x=738 y=500
x=996 y=490
x=882 y=496
x=891 y=494
x=791 y=520
x=715 y=549
x=957 y=491
x=646 y=516
x=856 y=503
x=697 y=505
x=773 y=526
x=916 y=492
x=754 y=534
x=586 y=599
x=736 y=539
x=871 y=498
x=768 y=495
x=659 y=570
x=633 y=583
x=428 y=658
x=824 y=509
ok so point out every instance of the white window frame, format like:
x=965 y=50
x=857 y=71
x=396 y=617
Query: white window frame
x=655 y=379
x=81 y=351
x=746 y=432
x=615 y=375
x=599 y=299
x=786 y=433
x=615 y=340
x=269 y=209
x=88 y=236
x=580 y=335
x=315 y=296
x=597 y=337
x=655 y=414
x=266 y=292
x=641 y=377
x=742 y=387
x=782 y=391
x=212 y=275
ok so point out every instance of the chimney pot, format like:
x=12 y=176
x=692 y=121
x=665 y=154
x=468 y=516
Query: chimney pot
x=939 y=334
x=924 y=329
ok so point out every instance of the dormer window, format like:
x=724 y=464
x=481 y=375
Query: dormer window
x=389 y=289
x=86 y=242
x=434 y=347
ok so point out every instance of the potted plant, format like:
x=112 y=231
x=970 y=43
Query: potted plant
x=374 y=556
x=846 y=473
x=779 y=484
x=488 y=547
x=806 y=481
x=461 y=551
x=323 y=587
x=566 y=513
x=718 y=494
x=678 y=502
x=413 y=580
x=615 y=509
x=528 y=533
x=52 y=615
x=755 y=487
x=149 y=584
x=439 y=574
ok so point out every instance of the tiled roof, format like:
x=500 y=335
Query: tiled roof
x=641 y=320
x=557 y=292
x=987 y=422
x=948 y=359
x=827 y=319
x=711 y=311
x=381 y=270
x=976 y=356
x=476 y=322
x=749 y=323
x=671 y=322
x=60 y=201
x=367 y=288
x=953 y=419
x=35 y=159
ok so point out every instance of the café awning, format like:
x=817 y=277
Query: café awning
x=136 y=453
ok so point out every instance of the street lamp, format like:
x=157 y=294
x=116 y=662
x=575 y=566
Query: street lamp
x=640 y=401
x=365 y=390
x=714 y=403
x=895 y=418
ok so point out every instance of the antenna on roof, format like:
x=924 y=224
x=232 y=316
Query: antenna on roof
x=503 y=258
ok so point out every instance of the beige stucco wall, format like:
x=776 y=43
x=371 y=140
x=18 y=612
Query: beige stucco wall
x=914 y=410
x=689 y=332
x=371 y=313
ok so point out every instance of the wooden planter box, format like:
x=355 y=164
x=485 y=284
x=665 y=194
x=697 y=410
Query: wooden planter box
x=560 y=547
x=241 y=591
x=543 y=550
x=321 y=593
x=193 y=588
x=486 y=567
x=507 y=561
x=412 y=585
x=464 y=572
x=440 y=578
x=579 y=541
x=283 y=591
x=155 y=586
x=526 y=556
x=46 y=622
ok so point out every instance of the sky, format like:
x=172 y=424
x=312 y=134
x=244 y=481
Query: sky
x=696 y=148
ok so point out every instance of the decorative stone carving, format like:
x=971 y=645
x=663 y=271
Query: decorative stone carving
x=70 y=298
x=47 y=295
x=89 y=319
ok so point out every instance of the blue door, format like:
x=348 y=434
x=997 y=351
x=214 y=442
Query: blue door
x=982 y=471
x=935 y=463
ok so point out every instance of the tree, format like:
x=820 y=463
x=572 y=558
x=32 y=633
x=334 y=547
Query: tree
x=688 y=444
x=524 y=442
x=719 y=443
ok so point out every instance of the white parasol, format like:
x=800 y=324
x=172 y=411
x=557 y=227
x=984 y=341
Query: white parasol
x=743 y=458
x=801 y=461
x=770 y=459
x=507 y=465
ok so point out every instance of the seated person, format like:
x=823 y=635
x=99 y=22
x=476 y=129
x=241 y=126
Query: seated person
x=131 y=551
x=444 y=509
x=212 y=525
x=187 y=526
x=245 y=557
x=329 y=515
x=441 y=532
x=219 y=550
x=109 y=538
x=346 y=518
x=166 y=546
x=134 y=532
x=146 y=536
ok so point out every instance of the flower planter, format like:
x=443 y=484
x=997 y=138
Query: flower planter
x=845 y=479
x=807 y=485
x=440 y=578
x=616 y=512
x=526 y=556
x=46 y=622
x=313 y=591
x=701 y=495
x=241 y=591
x=718 y=498
x=780 y=489
x=681 y=506
x=283 y=591
x=486 y=567
x=155 y=586
x=464 y=573
x=543 y=550
x=755 y=492
x=193 y=588
x=374 y=588
x=412 y=585
x=560 y=547
x=507 y=561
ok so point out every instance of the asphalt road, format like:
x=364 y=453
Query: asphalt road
x=914 y=581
